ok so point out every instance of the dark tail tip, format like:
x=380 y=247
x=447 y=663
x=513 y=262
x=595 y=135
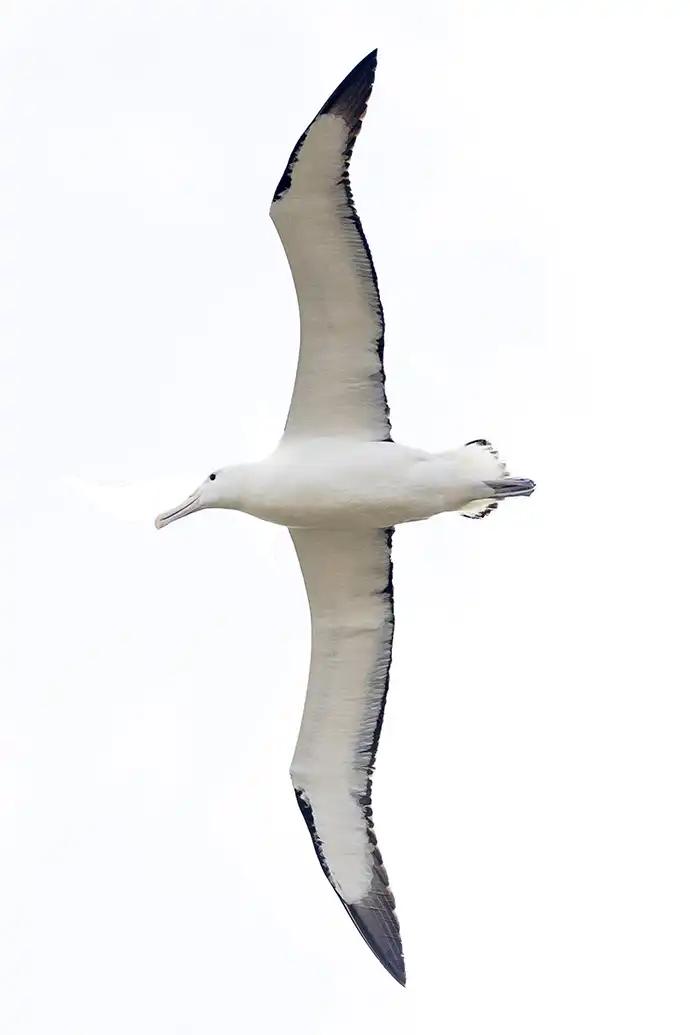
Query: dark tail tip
x=505 y=487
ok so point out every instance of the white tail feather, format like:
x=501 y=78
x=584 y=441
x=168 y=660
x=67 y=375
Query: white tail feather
x=480 y=460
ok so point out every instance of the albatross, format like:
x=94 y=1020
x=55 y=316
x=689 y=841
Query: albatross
x=340 y=484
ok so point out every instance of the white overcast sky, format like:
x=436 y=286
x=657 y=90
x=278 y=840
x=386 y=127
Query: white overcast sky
x=523 y=178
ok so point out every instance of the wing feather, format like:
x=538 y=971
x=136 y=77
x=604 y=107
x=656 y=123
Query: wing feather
x=348 y=576
x=340 y=384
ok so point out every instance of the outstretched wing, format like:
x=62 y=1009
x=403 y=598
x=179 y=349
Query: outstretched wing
x=339 y=388
x=348 y=576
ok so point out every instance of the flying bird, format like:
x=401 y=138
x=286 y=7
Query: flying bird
x=340 y=484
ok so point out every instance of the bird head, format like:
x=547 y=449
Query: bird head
x=218 y=490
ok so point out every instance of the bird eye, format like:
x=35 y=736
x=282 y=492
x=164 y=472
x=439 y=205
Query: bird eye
x=212 y=477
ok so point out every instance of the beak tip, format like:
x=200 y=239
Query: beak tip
x=190 y=506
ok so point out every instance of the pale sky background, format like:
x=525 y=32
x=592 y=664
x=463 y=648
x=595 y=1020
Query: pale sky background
x=523 y=178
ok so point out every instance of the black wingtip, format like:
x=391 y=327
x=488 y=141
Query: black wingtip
x=349 y=99
x=349 y=102
x=374 y=916
x=380 y=930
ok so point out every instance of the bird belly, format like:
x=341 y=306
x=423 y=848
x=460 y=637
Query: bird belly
x=313 y=495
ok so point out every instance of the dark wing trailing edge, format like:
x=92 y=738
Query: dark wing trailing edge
x=348 y=576
x=340 y=383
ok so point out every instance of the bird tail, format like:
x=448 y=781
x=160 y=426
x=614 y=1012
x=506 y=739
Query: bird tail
x=481 y=461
